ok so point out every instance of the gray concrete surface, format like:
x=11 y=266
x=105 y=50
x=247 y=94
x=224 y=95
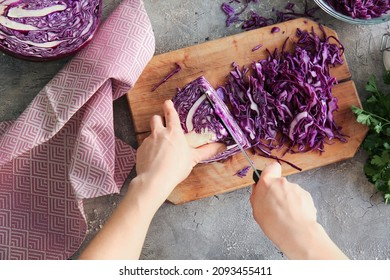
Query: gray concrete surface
x=222 y=227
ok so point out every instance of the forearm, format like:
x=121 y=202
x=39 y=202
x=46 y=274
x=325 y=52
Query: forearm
x=164 y=159
x=312 y=244
x=123 y=235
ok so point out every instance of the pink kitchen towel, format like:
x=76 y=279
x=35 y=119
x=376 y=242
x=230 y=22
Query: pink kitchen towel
x=62 y=148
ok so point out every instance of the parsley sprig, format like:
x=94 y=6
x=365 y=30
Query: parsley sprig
x=375 y=114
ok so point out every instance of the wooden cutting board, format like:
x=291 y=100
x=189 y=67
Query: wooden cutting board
x=213 y=60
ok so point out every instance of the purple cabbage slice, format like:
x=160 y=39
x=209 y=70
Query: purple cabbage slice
x=168 y=76
x=47 y=29
x=242 y=172
x=200 y=122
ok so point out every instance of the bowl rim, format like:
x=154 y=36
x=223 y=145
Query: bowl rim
x=325 y=7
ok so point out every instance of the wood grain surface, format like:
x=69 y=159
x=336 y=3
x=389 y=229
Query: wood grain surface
x=213 y=60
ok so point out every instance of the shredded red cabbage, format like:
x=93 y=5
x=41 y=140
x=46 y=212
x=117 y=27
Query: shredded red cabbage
x=176 y=70
x=361 y=9
x=254 y=20
x=255 y=48
x=286 y=99
x=47 y=29
x=242 y=172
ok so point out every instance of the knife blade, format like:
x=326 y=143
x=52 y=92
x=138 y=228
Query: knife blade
x=256 y=172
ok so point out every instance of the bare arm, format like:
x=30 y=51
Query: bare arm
x=287 y=215
x=163 y=160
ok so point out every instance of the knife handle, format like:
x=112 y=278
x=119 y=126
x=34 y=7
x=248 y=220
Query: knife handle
x=255 y=177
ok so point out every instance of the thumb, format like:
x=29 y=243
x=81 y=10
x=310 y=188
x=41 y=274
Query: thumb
x=208 y=151
x=272 y=171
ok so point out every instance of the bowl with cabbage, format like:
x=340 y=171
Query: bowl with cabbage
x=357 y=11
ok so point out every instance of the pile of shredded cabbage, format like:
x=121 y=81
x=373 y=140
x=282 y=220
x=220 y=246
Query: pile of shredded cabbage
x=286 y=99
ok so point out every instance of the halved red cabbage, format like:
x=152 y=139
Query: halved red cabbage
x=47 y=29
x=199 y=121
x=361 y=9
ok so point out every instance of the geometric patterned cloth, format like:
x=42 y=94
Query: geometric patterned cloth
x=62 y=148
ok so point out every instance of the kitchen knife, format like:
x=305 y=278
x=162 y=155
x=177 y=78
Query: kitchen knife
x=256 y=172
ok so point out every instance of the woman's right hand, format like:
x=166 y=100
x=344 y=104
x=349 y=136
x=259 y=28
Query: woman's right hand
x=287 y=215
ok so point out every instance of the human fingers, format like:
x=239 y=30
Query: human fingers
x=156 y=122
x=208 y=151
x=272 y=171
x=171 y=117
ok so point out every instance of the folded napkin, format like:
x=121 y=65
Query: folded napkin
x=62 y=148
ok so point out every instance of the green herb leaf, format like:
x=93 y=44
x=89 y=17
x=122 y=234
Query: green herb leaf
x=356 y=110
x=377 y=160
x=387 y=198
x=372 y=99
x=371 y=85
x=386 y=77
x=378 y=128
x=364 y=119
